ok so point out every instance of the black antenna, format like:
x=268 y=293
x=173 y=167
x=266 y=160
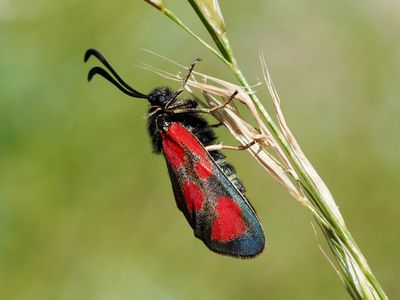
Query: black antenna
x=118 y=81
x=105 y=75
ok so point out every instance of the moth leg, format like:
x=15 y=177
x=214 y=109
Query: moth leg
x=156 y=110
x=184 y=82
x=158 y=130
x=206 y=110
x=222 y=105
x=216 y=125
x=257 y=138
x=181 y=107
x=227 y=147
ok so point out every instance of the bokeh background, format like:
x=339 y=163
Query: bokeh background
x=87 y=211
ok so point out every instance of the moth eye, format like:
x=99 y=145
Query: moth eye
x=161 y=98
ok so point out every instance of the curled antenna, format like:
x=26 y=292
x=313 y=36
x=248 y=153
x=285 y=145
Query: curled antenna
x=118 y=81
x=100 y=71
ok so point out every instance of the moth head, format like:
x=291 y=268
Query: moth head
x=160 y=96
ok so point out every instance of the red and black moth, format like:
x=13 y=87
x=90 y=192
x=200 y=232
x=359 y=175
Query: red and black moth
x=205 y=186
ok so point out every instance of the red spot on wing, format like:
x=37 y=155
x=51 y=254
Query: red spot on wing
x=186 y=138
x=228 y=224
x=203 y=169
x=193 y=196
x=173 y=152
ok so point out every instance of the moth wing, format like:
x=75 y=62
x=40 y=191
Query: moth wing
x=218 y=213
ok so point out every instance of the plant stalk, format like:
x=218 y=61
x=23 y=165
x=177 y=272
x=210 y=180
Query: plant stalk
x=348 y=255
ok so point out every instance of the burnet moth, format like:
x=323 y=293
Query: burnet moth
x=205 y=186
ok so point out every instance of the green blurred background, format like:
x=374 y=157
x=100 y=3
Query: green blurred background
x=87 y=211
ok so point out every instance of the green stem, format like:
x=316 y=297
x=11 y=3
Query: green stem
x=333 y=219
x=174 y=18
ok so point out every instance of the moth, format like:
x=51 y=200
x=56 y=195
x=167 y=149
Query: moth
x=204 y=184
